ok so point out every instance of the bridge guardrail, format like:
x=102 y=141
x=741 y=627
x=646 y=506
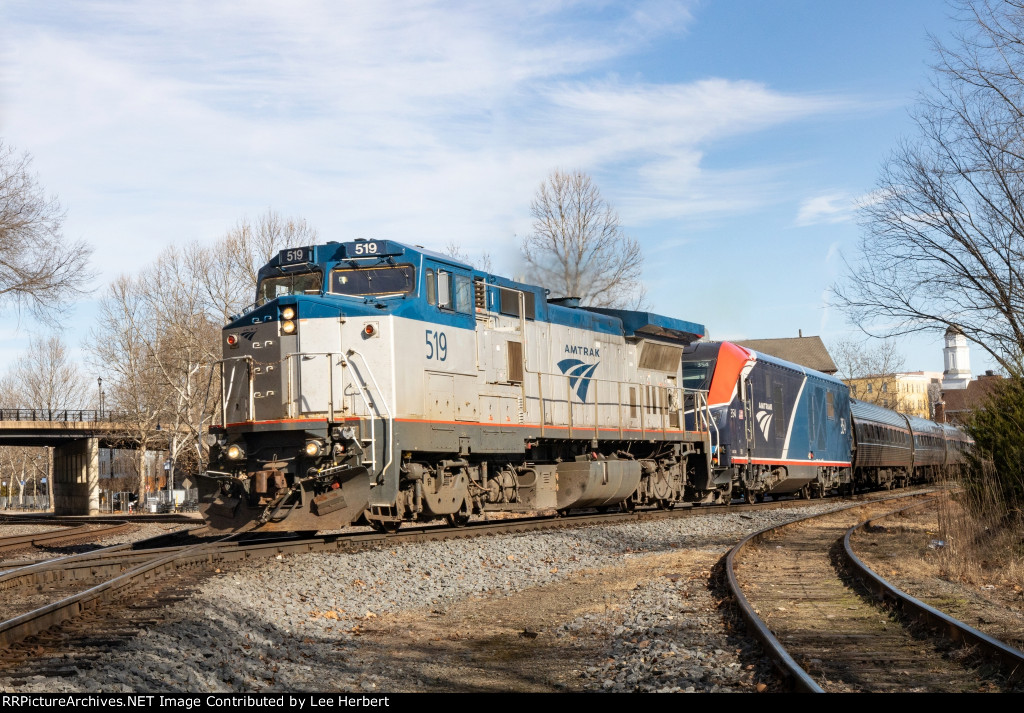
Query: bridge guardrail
x=62 y=415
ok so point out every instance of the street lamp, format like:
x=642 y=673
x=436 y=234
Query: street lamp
x=99 y=386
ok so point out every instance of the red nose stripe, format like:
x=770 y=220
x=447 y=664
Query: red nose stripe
x=731 y=360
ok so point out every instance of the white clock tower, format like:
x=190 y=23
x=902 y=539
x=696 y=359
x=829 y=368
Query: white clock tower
x=957 y=360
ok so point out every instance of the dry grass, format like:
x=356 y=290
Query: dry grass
x=983 y=535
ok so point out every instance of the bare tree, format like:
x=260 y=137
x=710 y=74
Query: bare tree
x=454 y=249
x=577 y=247
x=228 y=270
x=183 y=346
x=120 y=345
x=944 y=239
x=863 y=362
x=45 y=377
x=858 y=359
x=39 y=269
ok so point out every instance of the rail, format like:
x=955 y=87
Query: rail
x=1010 y=658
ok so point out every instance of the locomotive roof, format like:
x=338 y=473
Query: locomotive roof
x=648 y=324
x=629 y=323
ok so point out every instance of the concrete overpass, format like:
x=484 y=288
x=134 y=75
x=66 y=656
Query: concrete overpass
x=76 y=437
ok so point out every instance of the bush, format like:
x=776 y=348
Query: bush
x=994 y=480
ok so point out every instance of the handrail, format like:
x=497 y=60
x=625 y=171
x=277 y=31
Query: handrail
x=224 y=394
x=387 y=409
x=330 y=379
x=696 y=397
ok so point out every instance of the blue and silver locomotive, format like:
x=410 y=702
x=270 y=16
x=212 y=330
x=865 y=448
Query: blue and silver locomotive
x=379 y=382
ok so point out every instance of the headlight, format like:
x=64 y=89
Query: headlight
x=288 y=326
x=313 y=448
x=235 y=452
x=288 y=313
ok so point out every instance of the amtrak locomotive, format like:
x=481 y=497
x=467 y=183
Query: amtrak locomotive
x=376 y=382
x=786 y=429
x=783 y=428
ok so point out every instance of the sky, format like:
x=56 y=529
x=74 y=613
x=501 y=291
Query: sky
x=734 y=137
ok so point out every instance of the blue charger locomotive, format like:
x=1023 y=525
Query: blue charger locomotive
x=784 y=429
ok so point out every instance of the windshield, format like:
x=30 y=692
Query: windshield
x=292 y=284
x=697 y=374
x=367 y=281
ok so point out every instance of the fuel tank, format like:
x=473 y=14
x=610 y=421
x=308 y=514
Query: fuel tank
x=596 y=483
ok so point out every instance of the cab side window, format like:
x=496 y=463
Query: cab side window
x=463 y=294
x=431 y=287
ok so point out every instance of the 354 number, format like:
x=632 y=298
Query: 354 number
x=437 y=345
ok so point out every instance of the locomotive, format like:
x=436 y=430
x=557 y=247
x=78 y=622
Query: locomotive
x=376 y=382
x=380 y=382
x=785 y=429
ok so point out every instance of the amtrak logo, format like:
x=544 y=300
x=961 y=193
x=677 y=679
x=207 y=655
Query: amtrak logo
x=764 y=421
x=249 y=334
x=579 y=374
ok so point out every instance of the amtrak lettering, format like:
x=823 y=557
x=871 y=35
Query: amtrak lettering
x=582 y=351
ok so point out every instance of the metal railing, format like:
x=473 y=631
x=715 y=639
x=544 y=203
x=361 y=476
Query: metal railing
x=27 y=502
x=60 y=415
x=659 y=409
x=666 y=411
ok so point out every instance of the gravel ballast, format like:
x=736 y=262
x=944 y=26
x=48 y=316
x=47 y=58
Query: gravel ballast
x=646 y=619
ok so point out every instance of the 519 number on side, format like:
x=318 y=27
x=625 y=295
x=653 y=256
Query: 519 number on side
x=437 y=345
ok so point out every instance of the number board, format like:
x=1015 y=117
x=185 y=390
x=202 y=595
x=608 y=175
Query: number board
x=372 y=248
x=295 y=256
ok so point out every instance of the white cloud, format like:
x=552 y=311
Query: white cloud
x=827 y=208
x=417 y=120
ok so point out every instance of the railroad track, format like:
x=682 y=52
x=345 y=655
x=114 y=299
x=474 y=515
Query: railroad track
x=53 y=592
x=78 y=600
x=64 y=535
x=799 y=588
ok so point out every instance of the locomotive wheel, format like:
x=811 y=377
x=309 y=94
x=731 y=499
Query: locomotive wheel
x=805 y=492
x=460 y=518
x=457 y=519
x=666 y=504
x=386 y=526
